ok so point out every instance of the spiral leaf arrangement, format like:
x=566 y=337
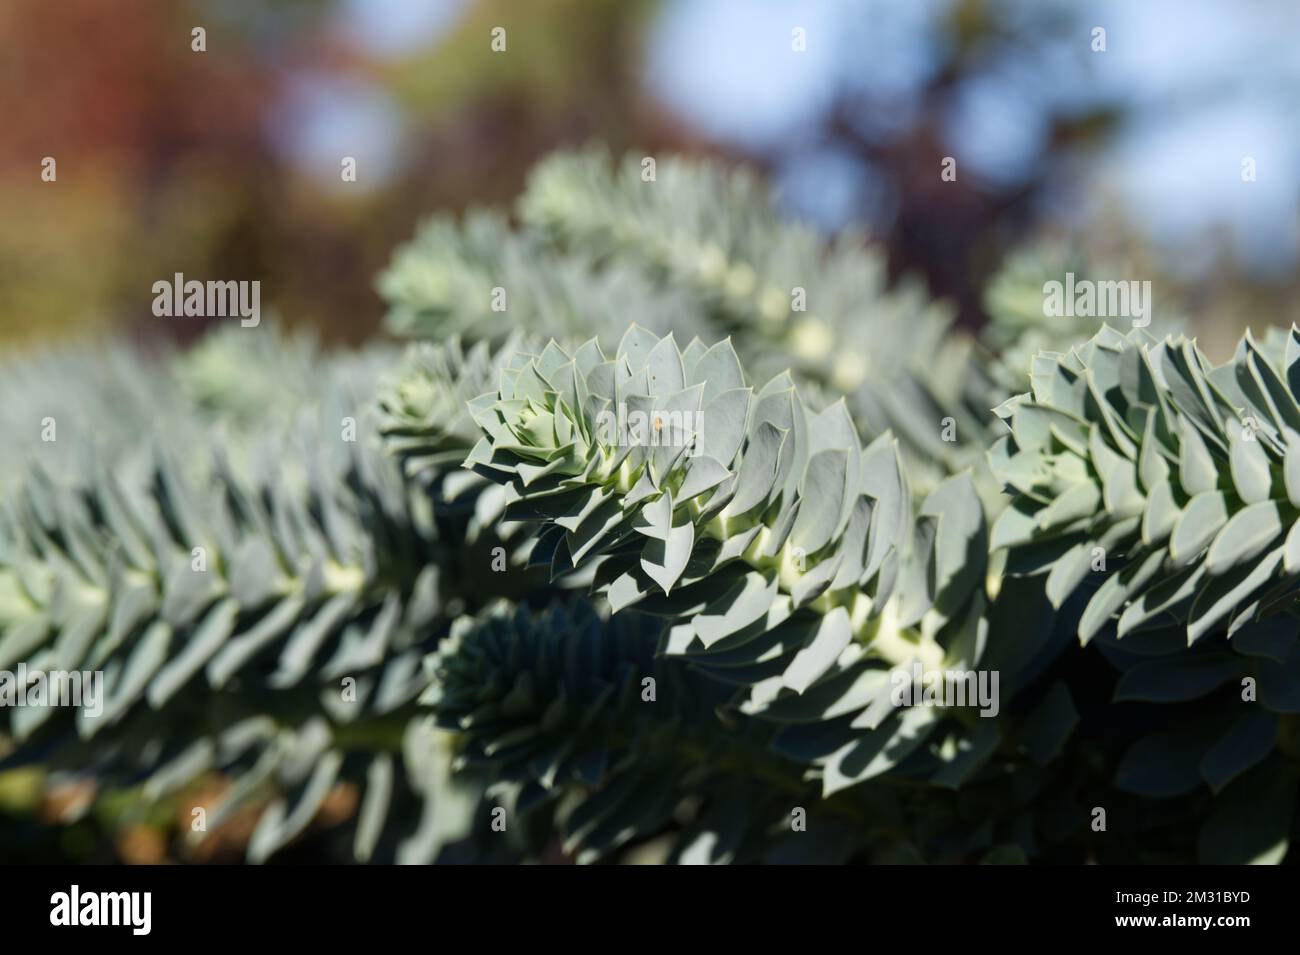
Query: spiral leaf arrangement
x=551 y=586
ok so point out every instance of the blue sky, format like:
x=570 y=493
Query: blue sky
x=1206 y=84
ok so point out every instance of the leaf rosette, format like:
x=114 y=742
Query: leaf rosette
x=1177 y=479
x=786 y=556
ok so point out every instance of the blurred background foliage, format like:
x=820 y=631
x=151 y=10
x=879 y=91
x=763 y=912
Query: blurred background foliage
x=227 y=163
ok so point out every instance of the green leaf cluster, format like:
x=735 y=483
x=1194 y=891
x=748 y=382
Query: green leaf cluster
x=548 y=584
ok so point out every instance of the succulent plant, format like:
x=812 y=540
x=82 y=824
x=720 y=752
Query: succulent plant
x=552 y=586
x=787 y=556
